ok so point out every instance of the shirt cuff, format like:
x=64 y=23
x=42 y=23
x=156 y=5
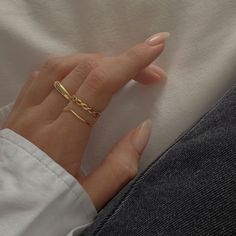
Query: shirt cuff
x=55 y=201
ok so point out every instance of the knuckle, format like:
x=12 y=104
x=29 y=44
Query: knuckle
x=51 y=62
x=83 y=68
x=100 y=55
x=31 y=78
x=92 y=62
x=127 y=168
x=33 y=75
x=135 y=55
x=95 y=56
x=54 y=65
x=98 y=80
x=131 y=170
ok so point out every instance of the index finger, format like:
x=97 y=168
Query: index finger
x=115 y=72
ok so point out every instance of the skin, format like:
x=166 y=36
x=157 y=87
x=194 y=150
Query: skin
x=38 y=113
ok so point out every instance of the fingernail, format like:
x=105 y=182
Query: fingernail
x=141 y=135
x=159 y=72
x=157 y=38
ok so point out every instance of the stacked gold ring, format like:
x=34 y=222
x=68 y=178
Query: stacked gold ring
x=77 y=116
x=64 y=92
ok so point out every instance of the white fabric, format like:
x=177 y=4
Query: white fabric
x=37 y=196
x=199 y=58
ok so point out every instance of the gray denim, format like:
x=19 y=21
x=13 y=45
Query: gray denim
x=189 y=190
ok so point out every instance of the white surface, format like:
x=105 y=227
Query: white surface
x=199 y=57
x=38 y=197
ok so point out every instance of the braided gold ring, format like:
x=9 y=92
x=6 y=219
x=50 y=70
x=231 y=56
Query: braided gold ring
x=85 y=107
x=64 y=92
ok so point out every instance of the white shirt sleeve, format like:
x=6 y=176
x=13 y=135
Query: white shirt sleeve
x=37 y=196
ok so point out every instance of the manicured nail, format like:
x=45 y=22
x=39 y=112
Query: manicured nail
x=159 y=72
x=141 y=135
x=157 y=38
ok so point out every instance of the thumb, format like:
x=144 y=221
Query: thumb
x=119 y=167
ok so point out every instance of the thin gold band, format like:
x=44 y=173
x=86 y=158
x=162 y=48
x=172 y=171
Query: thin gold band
x=77 y=116
x=62 y=90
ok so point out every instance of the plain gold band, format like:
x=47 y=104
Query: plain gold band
x=78 y=116
x=62 y=90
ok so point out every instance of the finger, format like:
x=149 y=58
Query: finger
x=25 y=89
x=85 y=64
x=54 y=69
x=152 y=74
x=120 y=166
x=114 y=73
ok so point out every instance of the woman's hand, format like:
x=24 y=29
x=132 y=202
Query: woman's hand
x=39 y=116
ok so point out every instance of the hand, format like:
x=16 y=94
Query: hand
x=38 y=113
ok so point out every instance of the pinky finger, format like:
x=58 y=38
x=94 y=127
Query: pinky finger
x=120 y=166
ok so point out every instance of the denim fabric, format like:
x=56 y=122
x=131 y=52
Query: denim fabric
x=189 y=190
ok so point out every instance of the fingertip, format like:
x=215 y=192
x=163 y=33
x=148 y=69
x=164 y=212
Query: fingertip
x=159 y=72
x=157 y=38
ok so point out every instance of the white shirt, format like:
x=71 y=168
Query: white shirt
x=37 y=196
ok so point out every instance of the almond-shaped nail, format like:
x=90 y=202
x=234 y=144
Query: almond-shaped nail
x=141 y=135
x=157 y=38
x=159 y=72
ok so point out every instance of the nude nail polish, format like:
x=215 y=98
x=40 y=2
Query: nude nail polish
x=157 y=38
x=141 y=135
x=159 y=72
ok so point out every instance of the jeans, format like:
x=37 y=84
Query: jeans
x=189 y=190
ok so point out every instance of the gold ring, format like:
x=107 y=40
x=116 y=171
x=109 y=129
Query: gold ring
x=62 y=90
x=77 y=116
x=85 y=106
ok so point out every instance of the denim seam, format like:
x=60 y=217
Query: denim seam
x=155 y=162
